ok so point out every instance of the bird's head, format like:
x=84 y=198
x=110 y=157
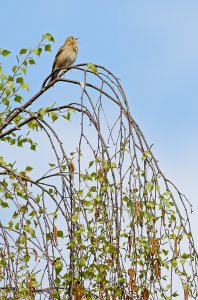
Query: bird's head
x=71 y=40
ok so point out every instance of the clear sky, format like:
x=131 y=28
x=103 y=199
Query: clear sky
x=151 y=45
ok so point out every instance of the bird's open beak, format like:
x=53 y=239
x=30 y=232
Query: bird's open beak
x=76 y=39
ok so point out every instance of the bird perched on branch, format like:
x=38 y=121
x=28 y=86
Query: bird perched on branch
x=66 y=55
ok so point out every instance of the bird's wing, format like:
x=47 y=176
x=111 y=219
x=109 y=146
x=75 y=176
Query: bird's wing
x=56 y=57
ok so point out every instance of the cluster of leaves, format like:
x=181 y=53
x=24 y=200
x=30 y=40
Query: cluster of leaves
x=147 y=253
x=13 y=85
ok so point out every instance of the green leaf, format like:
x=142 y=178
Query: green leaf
x=74 y=218
x=98 y=159
x=72 y=244
x=27 y=228
x=68 y=116
x=48 y=48
x=37 y=51
x=23 y=51
x=60 y=233
x=28 y=169
x=48 y=36
x=3 y=77
x=17 y=226
x=32 y=214
x=82 y=263
x=25 y=63
x=6 y=101
x=32 y=232
x=63 y=167
x=58 y=266
x=5 y=52
x=10 y=84
x=49 y=236
x=25 y=86
x=15 y=214
x=19 y=80
x=52 y=165
x=42 y=112
x=93 y=189
x=185 y=255
x=167 y=193
x=113 y=165
x=4 y=204
x=51 y=191
x=92 y=68
x=80 y=193
x=175 y=294
x=165 y=251
x=14 y=68
x=10 y=223
x=91 y=163
x=150 y=204
x=18 y=99
x=33 y=147
x=12 y=142
x=53 y=116
x=32 y=61
x=19 y=144
x=37 y=199
x=174 y=262
x=8 y=92
x=23 y=70
x=57 y=282
x=33 y=124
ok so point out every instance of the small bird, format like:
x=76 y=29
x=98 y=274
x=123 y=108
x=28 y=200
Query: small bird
x=66 y=55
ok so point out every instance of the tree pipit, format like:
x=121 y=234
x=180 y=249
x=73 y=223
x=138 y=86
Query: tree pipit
x=66 y=55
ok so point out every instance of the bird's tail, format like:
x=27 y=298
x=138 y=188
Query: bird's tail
x=54 y=76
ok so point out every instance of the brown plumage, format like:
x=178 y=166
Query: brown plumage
x=66 y=55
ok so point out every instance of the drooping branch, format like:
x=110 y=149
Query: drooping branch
x=103 y=222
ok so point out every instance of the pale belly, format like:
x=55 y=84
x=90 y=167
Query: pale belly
x=66 y=59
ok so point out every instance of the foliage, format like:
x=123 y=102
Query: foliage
x=103 y=222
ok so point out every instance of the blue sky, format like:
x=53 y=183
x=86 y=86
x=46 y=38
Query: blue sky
x=151 y=45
